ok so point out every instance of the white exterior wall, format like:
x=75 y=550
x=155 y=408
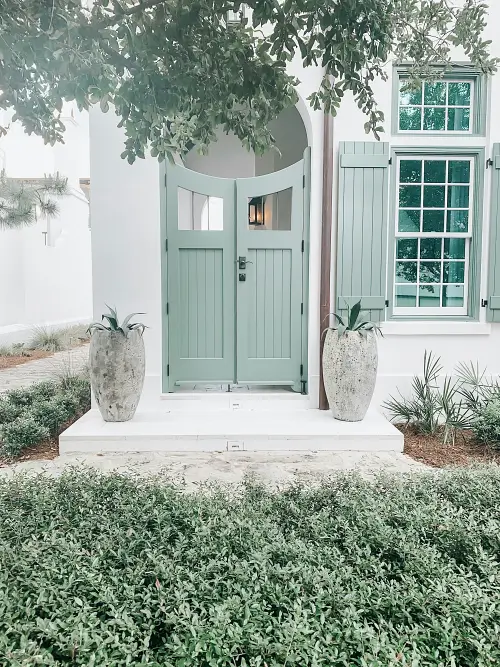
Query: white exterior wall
x=41 y=283
x=402 y=349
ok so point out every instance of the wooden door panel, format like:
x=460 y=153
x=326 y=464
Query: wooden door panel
x=201 y=278
x=269 y=327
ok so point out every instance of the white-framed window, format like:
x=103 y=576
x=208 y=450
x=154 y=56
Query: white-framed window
x=436 y=106
x=433 y=232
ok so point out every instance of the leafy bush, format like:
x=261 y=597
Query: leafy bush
x=21 y=397
x=43 y=391
x=29 y=416
x=108 y=570
x=23 y=432
x=52 y=414
x=8 y=411
x=487 y=426
x=441 y=403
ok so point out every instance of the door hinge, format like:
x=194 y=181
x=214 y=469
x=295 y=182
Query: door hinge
x=489 y=163
x=302 y=246
x=303 y=180
x=484 y=303
x=167 y=308
x=166 y=245
x=390 y=160
x=387 y=303
x=168 y=369
x=301 y=370
x=165 y=179
x=301 y=308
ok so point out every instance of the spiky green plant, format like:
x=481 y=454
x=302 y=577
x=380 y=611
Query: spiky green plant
x=20 y=200
x=46 y=339
x=356 y=320
x=114 y=323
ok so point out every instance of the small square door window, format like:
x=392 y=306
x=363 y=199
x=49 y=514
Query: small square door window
x=271 y=212
x=197 y=212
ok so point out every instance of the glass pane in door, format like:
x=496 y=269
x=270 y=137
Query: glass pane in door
x=271 y=212
x=197 y=212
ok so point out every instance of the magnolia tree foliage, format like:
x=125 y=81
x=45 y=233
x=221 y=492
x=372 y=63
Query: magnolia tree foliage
x=175 y=70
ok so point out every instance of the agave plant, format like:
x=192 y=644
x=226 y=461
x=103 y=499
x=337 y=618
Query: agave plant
x=114 y=324
x=355 y=320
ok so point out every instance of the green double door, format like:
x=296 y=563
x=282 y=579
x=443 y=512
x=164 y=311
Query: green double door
x=234 y=278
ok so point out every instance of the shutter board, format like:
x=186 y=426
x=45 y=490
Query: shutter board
x=373 y=161
x=493 y=308
x=362 y=226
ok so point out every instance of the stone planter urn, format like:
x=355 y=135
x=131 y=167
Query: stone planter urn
x=117 y=367
x=350 y=372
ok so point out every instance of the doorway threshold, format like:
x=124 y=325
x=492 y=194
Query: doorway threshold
x=230 y=388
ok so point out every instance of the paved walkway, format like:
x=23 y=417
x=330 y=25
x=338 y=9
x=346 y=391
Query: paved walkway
x=194 y=468
x=44 y=369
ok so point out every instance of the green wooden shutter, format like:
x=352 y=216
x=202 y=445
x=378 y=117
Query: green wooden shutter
x=493 y=309
x=362 y=226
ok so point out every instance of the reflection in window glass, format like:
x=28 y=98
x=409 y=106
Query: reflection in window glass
x=433 y=233
x=439 y=106
x=271 y=211
x=197 y=212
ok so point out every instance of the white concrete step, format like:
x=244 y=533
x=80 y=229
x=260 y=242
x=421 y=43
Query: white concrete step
x=208 y=430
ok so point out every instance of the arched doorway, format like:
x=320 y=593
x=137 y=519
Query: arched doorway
x=236 y=299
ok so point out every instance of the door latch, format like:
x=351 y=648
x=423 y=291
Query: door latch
x=242 y=263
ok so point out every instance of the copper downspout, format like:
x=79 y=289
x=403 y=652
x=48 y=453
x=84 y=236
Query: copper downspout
x=326 y=245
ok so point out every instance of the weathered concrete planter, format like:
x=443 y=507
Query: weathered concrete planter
x=117 y=366
x=349 y=372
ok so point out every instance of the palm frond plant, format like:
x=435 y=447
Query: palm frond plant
x=441 y=404
x=21 y=201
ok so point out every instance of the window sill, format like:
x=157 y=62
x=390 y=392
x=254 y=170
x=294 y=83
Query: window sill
x=455 y=328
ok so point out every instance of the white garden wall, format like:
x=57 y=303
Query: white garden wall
x=45 y=269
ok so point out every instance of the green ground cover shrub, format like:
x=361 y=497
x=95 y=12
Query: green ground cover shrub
x=108 y=570
x=487 y=425
x=31 y=415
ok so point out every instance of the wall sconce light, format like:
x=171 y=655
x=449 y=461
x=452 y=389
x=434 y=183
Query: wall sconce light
x=256 y=211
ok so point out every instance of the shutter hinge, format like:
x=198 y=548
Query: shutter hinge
x=168 y=308
x=302 y=246
x=387 y=303
x=166 y=245
x=301 y=308
x=489 y=163
x=484 y=303
x=301 y=370
x=168 y=369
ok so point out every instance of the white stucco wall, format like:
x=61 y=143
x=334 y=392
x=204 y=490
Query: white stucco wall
x=125 y=213
x=47 y=283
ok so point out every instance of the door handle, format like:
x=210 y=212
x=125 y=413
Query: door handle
x=242 y=262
